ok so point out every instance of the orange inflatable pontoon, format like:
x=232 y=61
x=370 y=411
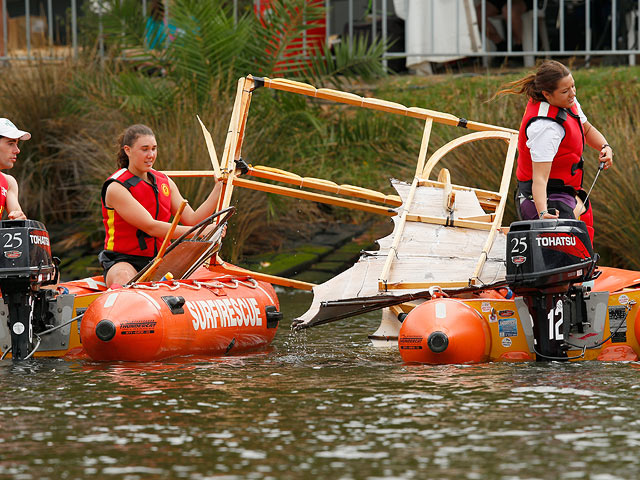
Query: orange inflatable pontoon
x=165 y=319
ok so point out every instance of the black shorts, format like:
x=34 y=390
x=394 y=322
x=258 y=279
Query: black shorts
x=109 y=258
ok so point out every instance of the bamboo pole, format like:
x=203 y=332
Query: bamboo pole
x=393 y=250
x=248 y=87
x=315 y=197
x=481 y=222
x=233 y=144
x=293 y=179
x=487 y=217
x=232 y=126
x=189 y=173
x=380 y=105
x=165 y=244
x=487 y=198
x=326 y=186
x=282 y=281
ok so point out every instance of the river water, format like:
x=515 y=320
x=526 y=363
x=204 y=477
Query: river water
x=320 y=404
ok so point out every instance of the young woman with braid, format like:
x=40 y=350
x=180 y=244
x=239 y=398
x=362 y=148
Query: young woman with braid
x=553 y=133
x=137 y=205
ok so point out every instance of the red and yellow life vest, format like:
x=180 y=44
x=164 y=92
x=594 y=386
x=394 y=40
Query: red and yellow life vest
x=567 y=164
x=155 y=197
x=4 y=188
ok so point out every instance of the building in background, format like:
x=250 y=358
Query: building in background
x=421 y=33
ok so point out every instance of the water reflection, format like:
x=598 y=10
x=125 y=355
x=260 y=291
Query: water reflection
x=321 y=404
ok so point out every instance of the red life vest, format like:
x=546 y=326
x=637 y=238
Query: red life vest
x=566 y=168
x=4 y=188
x=155 y=197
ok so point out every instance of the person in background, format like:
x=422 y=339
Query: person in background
x=9 y=150
x=551 y=141
x=137 y=205
x=499 y=8
x=158 y=30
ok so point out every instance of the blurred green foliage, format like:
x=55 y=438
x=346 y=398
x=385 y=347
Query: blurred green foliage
x=75 y=110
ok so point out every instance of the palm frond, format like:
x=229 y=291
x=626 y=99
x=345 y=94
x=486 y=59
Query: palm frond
x=360 y=59
x=120 y=22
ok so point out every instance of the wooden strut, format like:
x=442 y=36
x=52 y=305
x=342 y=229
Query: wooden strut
x=302 y=182
x=233 y=142
x=377 y=104
x=504 y=190
x=314 y=197
x=393 y=250
x=324 y=185
x=456 y=142
x=276 y=280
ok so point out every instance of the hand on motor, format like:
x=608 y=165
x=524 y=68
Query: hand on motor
x=606 y=156
x=551 y=213
x=17 y=215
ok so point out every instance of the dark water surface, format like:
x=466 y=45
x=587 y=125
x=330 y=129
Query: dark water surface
x=322 y=404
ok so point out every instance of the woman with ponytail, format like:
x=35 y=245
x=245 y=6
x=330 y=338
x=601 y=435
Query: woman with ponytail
x=137 y=205
x=552 y=136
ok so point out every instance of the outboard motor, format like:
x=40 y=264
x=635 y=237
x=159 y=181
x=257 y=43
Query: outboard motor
x=545 y=261
x=25 y=265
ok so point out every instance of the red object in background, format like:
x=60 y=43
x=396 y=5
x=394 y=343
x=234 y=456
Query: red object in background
x=294 y=53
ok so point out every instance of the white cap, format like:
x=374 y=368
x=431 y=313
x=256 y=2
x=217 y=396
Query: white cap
x=9 y=130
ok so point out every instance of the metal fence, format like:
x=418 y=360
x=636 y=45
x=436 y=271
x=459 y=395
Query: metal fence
x=420 y=31
x=25 y=33
x=451 y=29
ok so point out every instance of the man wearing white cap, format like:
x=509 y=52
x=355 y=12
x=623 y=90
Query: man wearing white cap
x=9 y=136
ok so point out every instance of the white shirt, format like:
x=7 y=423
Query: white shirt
x=544 y=137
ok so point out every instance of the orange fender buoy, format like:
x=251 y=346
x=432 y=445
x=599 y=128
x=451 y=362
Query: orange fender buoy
x=636 y=326
x=161 y=321
x=444 y=331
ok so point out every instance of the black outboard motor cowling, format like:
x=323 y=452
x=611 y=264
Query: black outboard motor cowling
x=545 y=258
x=543 y=254
x=25 y=265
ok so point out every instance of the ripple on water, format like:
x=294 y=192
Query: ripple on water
x=322 y=404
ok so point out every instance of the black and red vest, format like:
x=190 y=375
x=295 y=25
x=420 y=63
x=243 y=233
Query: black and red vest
x=155 y=197
x=566 y=168
x=4 y=188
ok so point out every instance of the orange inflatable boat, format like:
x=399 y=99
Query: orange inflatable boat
x=560 y=307
x=210 y=313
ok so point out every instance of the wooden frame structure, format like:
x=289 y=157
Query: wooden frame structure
x=493 y=203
